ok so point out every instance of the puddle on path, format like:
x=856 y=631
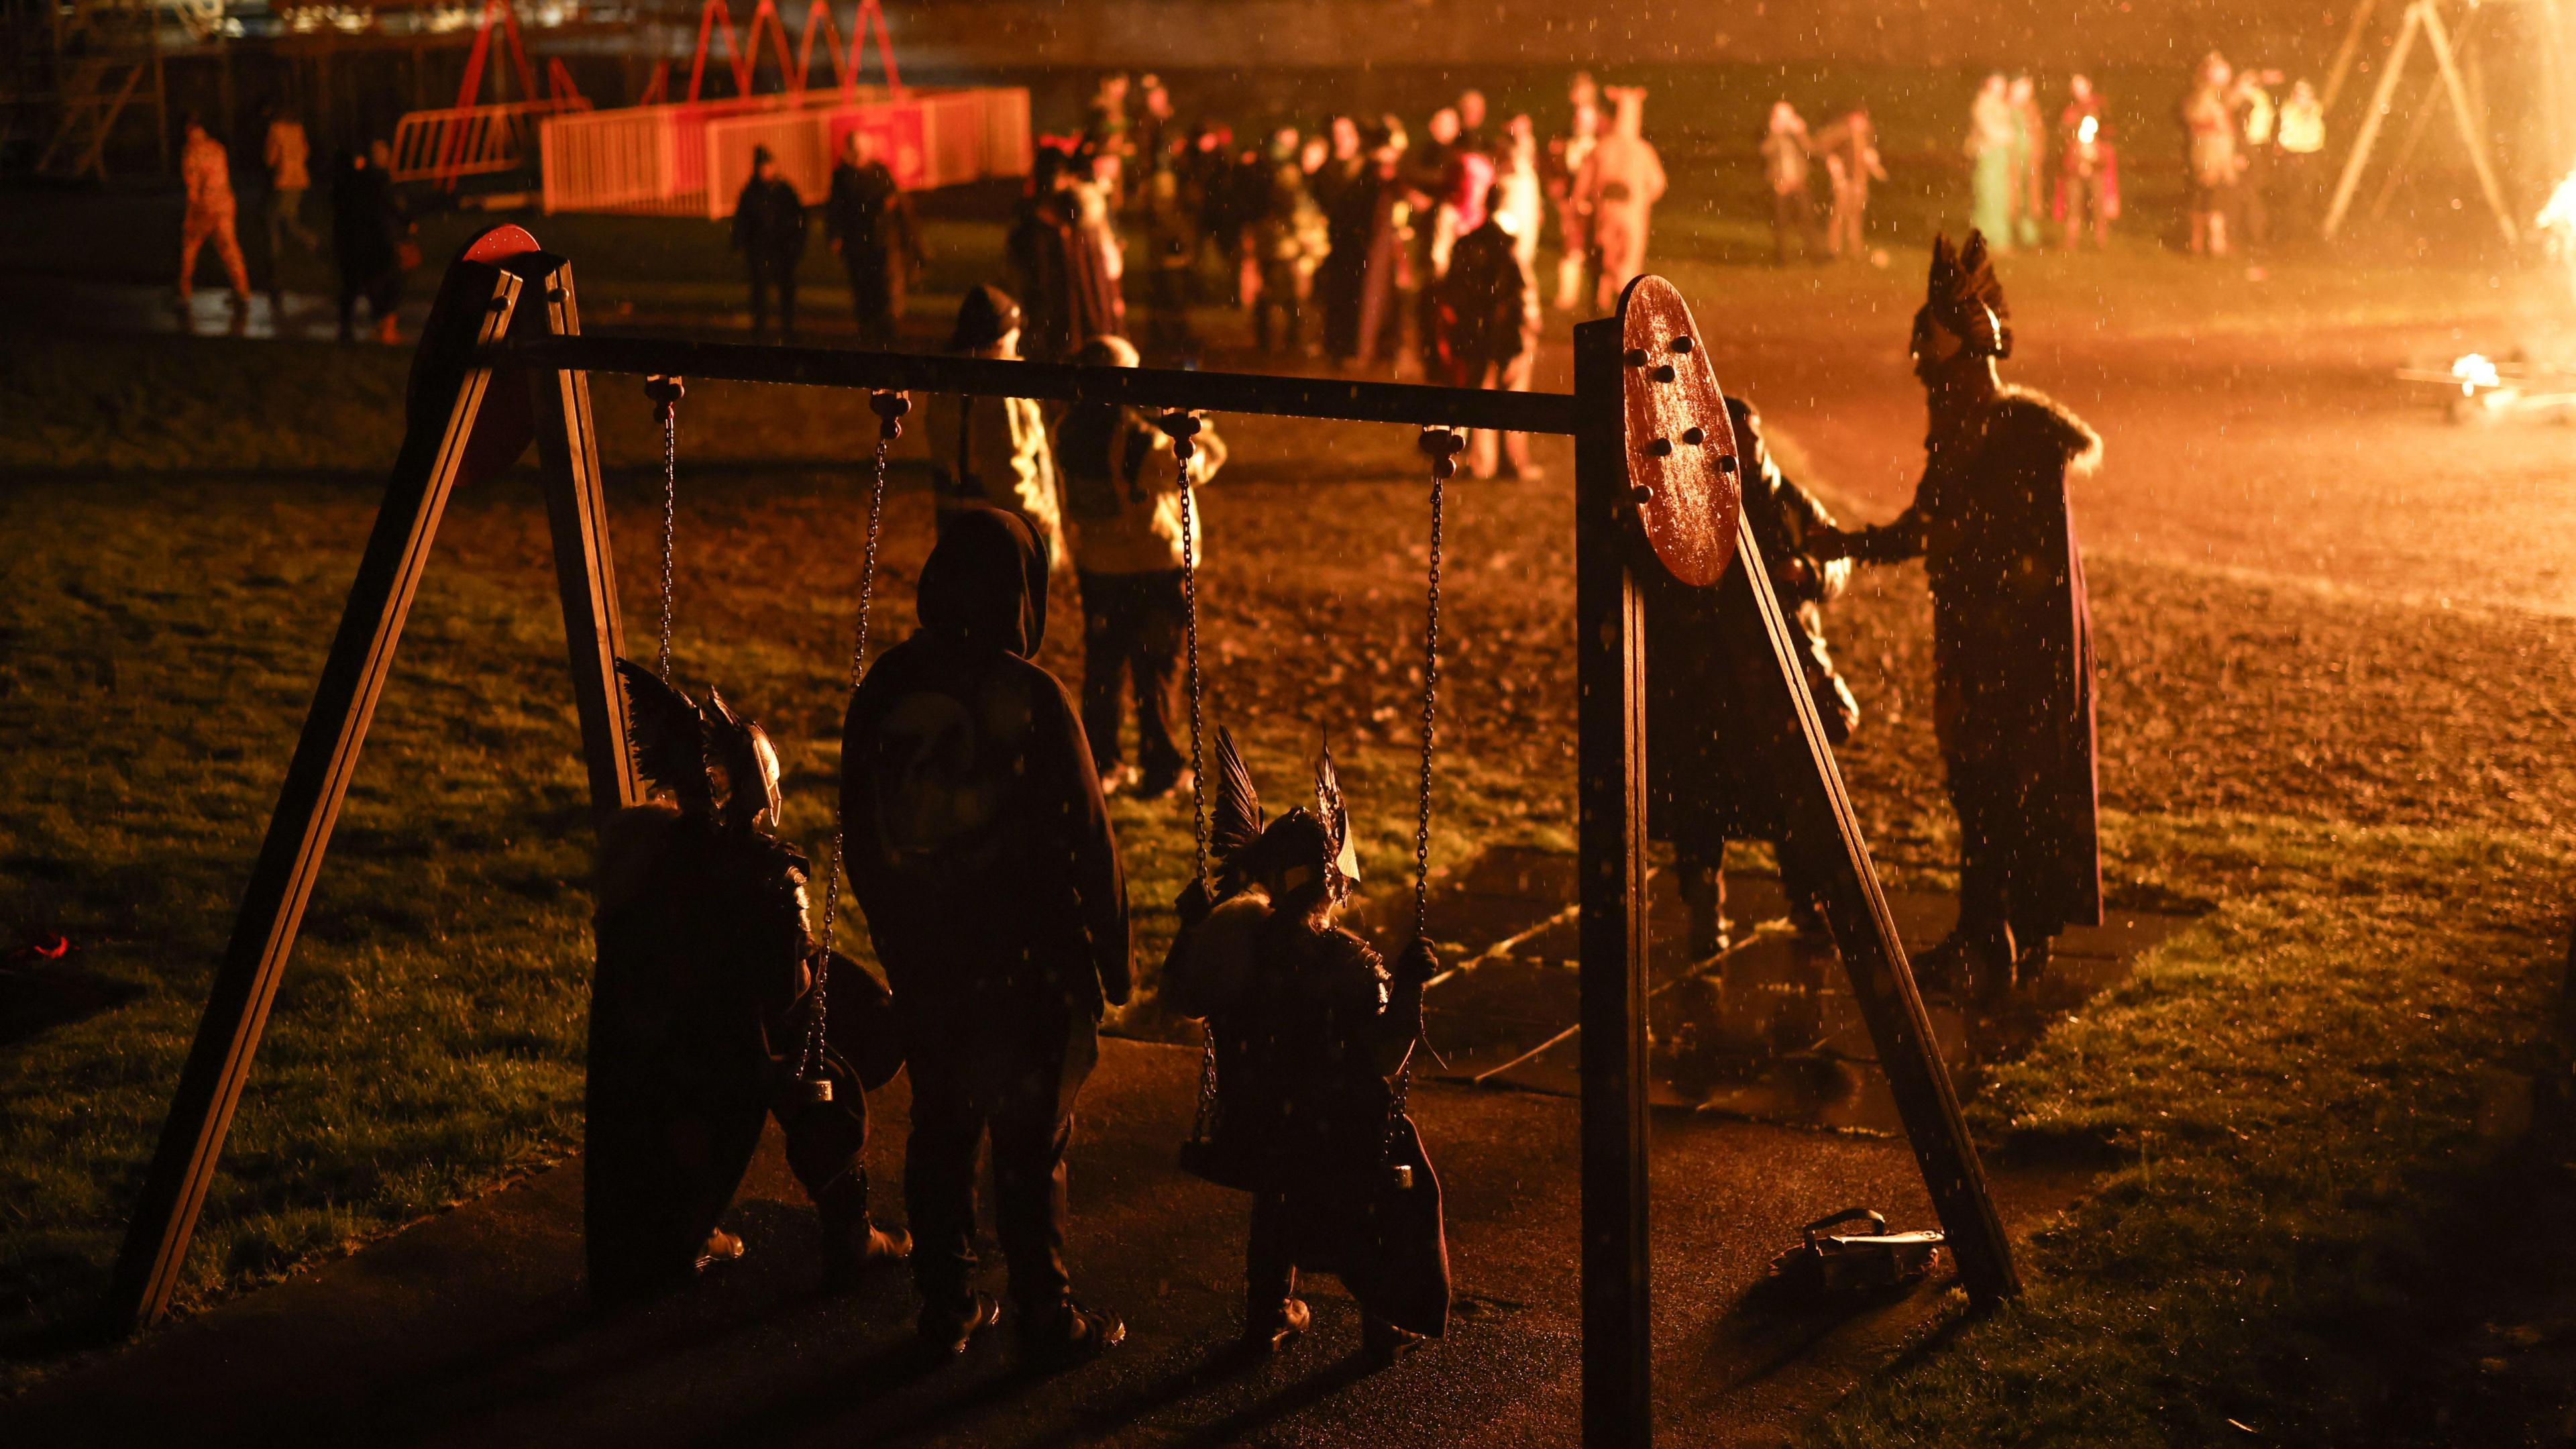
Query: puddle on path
x=1769 y=1031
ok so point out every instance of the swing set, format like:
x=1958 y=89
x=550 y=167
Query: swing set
x=503 y=363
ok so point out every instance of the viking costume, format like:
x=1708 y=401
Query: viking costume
x=1712 y=744
x=701 y=1013
x=980 y=851
x=2012 y=632
x=1308 y=1026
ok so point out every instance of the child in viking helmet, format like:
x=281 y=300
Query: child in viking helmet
x=1308 y=1025
x=702 y=1014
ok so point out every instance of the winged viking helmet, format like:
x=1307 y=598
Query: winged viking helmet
x=1301 y=846
x=714 y=764
x=1964 y=299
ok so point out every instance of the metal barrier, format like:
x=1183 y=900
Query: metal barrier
x=692 y=160
x=443 y=145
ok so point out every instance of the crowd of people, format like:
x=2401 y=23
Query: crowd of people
x=2250 y=152
x=1360 y=241
x=2251 y=155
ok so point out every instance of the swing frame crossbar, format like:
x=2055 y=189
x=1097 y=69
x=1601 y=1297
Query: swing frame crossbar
x=502 y=363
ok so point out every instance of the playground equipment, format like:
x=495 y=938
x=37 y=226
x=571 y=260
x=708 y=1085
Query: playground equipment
x=689 y=155
x=503 y=363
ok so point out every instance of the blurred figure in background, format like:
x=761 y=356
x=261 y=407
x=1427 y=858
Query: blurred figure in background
x=2301 y=137
x=1104 y=136
x=1524 y=203
x=1381 y=261
x=288 y=155
x=1992 y=129
x=769 y=231
x=2030 y=160
x=2257 y=120
x=1288 y=239
x=1785 y=166
x=2088 y=170
x=1567 y=156
x=367 y=231
x=1153 y=135
x=1487 y=333
x=1171 y=255
x=1471 y=122
x=2209 y=137
x=1617 y=192
x=1058 y=259
x=1850 y=149
x=869 y=222
x=1122 y=502
x=207 y=171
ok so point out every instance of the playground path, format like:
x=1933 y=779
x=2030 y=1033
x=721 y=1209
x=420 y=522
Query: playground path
x=468 y=1328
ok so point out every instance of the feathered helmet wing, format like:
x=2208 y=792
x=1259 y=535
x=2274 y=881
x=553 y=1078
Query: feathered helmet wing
x=1246 y=847
x=680 y=746
x=1964 y=298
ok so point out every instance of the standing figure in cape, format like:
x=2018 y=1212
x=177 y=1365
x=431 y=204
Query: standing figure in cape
x=1713 y=732
x=703 y=1009
x=2012 y=631
x=980 y=851
x=1308 y=1024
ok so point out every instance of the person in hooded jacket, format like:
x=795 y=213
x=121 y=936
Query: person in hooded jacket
x=979 y=849
x=1713 y=736
x=992 y=451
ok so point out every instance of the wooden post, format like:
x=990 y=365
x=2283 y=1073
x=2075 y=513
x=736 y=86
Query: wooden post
x=2472 y=121
x=1824 y=830
x=1610 y=678
x=2371 y=121
x=435 y=452
x=2343 y=55
x=585 y=566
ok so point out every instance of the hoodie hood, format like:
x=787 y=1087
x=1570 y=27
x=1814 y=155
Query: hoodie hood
x=985 y=583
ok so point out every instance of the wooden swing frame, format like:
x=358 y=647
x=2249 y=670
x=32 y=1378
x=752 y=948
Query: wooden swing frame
x=503 y=362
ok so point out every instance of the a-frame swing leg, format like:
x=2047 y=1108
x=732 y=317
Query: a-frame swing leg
x=449 y=387
x=1824 y=830
x=585 y=569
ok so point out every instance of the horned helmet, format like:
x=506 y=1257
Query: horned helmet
x=1963 y=307
x=714 y=764
x=1301 y=850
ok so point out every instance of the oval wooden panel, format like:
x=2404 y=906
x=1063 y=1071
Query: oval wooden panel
x=1681 y=448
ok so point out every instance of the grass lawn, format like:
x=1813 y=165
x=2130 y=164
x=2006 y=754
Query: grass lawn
x=2289 y=1103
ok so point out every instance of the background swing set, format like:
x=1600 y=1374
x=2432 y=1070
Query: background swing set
x=503 y=363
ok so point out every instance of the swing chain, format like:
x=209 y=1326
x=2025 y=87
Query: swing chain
x=889 y=408
x=1182 y=427
x=1441 y=446
x=666 y=393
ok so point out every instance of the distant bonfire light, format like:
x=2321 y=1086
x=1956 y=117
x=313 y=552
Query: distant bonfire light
x=2474 y=372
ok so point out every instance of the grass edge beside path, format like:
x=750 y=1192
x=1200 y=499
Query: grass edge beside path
x=2297 y=1100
